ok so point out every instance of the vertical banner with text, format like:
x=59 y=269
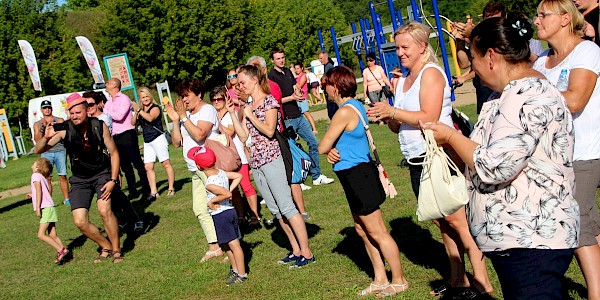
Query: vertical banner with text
x=91 y=58
x=31 y=63
x=117 y=66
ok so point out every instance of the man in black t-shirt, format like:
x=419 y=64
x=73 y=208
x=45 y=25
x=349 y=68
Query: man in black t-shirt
x=327 y=65
x=293 y=116
x=86 y=140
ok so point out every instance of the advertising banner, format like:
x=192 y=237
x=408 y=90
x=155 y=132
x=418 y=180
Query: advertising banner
x=31 y=63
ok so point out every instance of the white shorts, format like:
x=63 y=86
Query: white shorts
x=157 y=148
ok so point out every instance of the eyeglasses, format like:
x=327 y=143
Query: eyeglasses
x=232 y=76
x=370 y=60
x=217 y=99
x=543 y=14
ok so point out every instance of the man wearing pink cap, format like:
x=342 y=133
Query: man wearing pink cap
x=87 y=141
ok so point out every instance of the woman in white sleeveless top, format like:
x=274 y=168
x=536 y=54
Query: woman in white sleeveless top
x=432 y=103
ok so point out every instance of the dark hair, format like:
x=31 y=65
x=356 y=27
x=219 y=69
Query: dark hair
x=299 y=64
x=507 y=36
x=217 y=90
x=255 y=72
x=370 y=55
x=493 y=8
x=274 y=51
x=342 y=78
x=190 y=85
x=97 y=96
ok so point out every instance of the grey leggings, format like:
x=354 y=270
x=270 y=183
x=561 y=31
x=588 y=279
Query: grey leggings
x=271 y=181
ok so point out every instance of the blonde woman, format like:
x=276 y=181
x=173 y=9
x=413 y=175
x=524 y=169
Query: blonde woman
x=148 y=116
x=560 y=23
x=423 y=93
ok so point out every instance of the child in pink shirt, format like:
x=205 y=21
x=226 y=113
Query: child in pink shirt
x=44 y=207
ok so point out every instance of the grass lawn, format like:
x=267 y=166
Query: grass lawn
x=164 y=261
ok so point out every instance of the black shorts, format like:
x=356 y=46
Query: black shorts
x=226 y=226
x=82 y=190
x=363 y=189
x=314 y=85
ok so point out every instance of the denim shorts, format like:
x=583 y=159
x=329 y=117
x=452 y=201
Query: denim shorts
x=59 y=160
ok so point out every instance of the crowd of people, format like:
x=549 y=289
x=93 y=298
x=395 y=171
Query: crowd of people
x=535 y=138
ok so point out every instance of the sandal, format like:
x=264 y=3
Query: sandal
x=117 y=259
x=170 y=193
x=444 y=288
x=60 y=258
x=211 y=254
x=396 y=288
x=472 y=293
x=101 y=258
x=373 y=288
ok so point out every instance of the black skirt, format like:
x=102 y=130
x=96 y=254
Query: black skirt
x=363 y=189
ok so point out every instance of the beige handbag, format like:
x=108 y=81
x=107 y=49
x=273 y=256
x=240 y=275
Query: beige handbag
x=387 y=184
x=440 y=193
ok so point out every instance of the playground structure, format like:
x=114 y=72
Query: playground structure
x=371 y=38
x=8 y=147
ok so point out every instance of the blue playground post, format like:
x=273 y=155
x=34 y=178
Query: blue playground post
x=392 y=14
x=438 y=24
x=373 y=43
x=400 y=22
x=376 y=31
x=360 y=62
x=321 y=43
x=363 y=31
x=335 y=46
x=415 y=9
x=382 y=41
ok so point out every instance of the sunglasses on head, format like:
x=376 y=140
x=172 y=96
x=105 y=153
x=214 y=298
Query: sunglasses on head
x=232 y=76
x=217 y=99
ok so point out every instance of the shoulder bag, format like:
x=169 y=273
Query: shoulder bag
x=228 y=158
x=441 y=192
x=387 y=184
x=384 y=88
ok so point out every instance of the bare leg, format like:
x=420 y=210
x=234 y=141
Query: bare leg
x=455 y=252
x=47 y=239
x=253 y=203
x=54 y=236
x=290 y=235
x=64 y=186
x=151 y=177
x=170 y=173
x=238 y=204
x=458 y=221
x=110 y=223
x=298 y=197
x=301 y=236
x=82 y=221
x=588 y=258
x=374 y=255
x=238 y=256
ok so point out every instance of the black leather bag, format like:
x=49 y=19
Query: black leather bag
x=387 y=91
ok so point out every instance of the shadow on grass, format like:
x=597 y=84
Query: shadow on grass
x=248 y=251
x=279 y=237
x=14 y=205
x=150 y=222
x=353 y=247
x=163 y=185
x=570 y=285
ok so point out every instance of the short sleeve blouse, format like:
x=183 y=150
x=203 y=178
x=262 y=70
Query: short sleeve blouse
x=264 y=150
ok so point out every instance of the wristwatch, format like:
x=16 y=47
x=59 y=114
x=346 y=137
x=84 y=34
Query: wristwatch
x=183 y=120
x=116 y=181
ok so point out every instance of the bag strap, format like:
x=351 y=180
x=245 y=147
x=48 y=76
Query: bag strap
x=433 y=149
x=368 y=133
x=375 y=77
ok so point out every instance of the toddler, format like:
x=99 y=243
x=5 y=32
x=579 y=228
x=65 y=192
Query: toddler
x=41 y=197
x=220 y=207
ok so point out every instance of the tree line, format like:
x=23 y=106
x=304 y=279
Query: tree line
x=170 y=39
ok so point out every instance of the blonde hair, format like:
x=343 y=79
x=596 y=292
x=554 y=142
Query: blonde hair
x=420 y=34
x=146 y=90
x=565 y=7
x=44 y=166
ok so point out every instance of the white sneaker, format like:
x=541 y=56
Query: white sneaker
x=322 y=179
x=305 y=187
x=262 y=202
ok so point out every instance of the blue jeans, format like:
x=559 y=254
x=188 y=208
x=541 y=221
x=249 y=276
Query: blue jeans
x=302 y=127
x=59 y=160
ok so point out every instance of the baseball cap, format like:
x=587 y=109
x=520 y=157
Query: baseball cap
x=74 y=99
x=46 y=103
x=204 y=157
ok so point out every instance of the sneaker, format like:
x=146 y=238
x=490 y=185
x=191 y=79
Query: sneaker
x=305 y=187
x=138 y=226
x=67 y=202
x=122 y=226
x=62 y=255
x=322 y=179
x=305 y=216
x=262 y=202
x=237 y=280
x=290 y=257
x=232 y=274
x=151 y=197
x=302 y=262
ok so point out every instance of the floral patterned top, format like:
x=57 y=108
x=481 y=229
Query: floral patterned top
x=264 y=150
x=521 y=191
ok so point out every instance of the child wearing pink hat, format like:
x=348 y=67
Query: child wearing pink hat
x=218 y=196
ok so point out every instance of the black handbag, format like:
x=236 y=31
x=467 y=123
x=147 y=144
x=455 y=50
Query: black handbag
x=384 y=88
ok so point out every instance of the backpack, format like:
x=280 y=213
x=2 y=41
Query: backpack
x=84 y=165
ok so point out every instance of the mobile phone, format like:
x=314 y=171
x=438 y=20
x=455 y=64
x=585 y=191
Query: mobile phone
x=225 y=92
x=60 y=126
x=371 y=104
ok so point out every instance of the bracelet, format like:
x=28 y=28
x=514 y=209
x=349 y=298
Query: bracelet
x=394 y=113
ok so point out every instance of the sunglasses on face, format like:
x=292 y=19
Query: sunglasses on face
x=370 y=60
x=232 y=76
x=91 y=104
x=216 y=99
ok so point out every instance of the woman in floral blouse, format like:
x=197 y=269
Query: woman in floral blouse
x=522 y=212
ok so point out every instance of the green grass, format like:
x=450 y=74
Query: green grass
x=163 y=263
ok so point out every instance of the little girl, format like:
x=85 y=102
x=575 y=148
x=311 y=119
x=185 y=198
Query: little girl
x=44 y=207
x=218 y=196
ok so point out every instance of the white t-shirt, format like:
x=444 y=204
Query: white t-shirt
x=312 y=77
x=239 y=146
x=206 y=113
x=107 y=119
x=586 y=123
x=222 y=181
x=410 y=138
